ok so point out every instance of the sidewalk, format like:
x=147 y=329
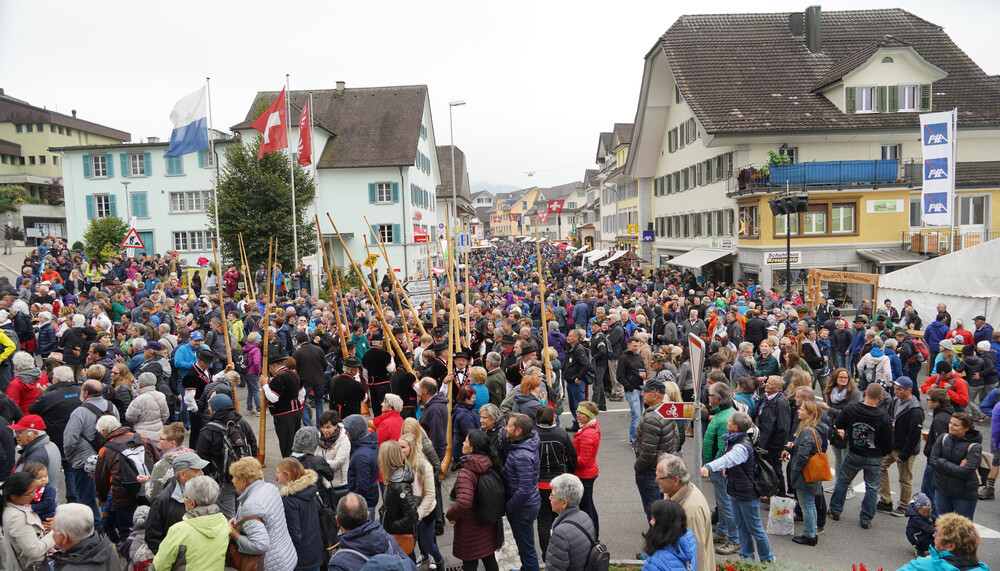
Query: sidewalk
x=10 y=264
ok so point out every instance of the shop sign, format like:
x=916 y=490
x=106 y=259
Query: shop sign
x=885 y=206
x=778 y=258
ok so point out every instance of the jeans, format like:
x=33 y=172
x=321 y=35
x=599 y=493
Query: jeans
x=70 y=481
x=927 y=487
x=86 y=494
x=751 y=529
x=253 y=392
x=576 y=394
x=872 y=468
x=838 y=459
x=426 y=540
x=118 y=523
x=727 y=521
x=841 y=360
x=905 y=479
x=587 y=504
x=318 y=391
x=948 y=504
x=649 y=490
x=634 y=399
x=522 y=525
x=808 y=503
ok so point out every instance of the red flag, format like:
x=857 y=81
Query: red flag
x=305 y=137
x=556 y=205
x=273 y=127
x=543 y=216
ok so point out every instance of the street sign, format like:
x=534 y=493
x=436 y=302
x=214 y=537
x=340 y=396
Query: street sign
x=419 y=291
x=421 y=238
x=132 y=240
x=696 y=353
x=647 y=236
x=371 y=260
x=633 y=228
x=677 y=410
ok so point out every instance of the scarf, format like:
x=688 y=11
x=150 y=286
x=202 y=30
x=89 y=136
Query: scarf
x=838 y=395
x=327 y=443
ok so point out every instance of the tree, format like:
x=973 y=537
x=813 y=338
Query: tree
x=103 y=238
x=12 y=196
x=255 y=199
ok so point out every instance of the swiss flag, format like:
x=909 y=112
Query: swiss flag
x=273 y=127
x=562 y=246
x=305 y=137
x=543 y=216
x=556 y=205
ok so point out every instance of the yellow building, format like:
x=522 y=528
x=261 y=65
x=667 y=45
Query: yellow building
x=508 y=216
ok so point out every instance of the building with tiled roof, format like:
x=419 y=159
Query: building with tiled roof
x=838 y=96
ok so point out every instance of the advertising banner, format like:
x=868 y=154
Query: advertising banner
x=937 y=141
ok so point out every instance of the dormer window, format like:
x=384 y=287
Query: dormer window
x=865 y=97
x=907 y=97
x=887 y=59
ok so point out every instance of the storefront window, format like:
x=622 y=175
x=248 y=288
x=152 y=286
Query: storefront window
x=814 y=222
x=779 y=224
x=842 y=218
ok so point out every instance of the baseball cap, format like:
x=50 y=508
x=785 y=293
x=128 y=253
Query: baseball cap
x=29 y=422
x=189 y=460
x=904 y=381
x=654 y=386
x=196 y=336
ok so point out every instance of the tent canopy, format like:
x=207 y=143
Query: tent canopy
x=698 y=257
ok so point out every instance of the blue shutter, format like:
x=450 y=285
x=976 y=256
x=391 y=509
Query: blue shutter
x=86 y=174
x=112 y=206
x=147 y=162
x=111 y=166
x=201 y=158
x=395 y=192
x=372 y=238
x=125 y=169
x=397 y=238
x=372 y=196
x=90 y=198
x=139 y=207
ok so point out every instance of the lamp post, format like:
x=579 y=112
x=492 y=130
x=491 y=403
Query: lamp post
x=128 y=205
x=788 y=206
x=454 y=184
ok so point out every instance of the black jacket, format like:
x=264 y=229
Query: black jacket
x=210 y=442
x=773 y=420
x=939 y=426
x=54 y=406
x=164 y=512
x=577 y=363
x=950 y=477
x=8 y=447
x=616 y=341
x=556 y=452
x=867 y=430
x=906 y=427
x=310 y=362
x=629 y=365
x=756 y=331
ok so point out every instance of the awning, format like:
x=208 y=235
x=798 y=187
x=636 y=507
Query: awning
x=593 y=256
x=581 y=249
x=698 y=257
x=892 y=256
x=615 y=256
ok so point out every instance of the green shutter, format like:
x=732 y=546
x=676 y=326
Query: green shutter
x=395 y=192
x=147 y=162
x=201 y=159
x=112 y=205
x=883 y=103
x=852 y=94
x=111 y=166
x=374 y=232
x=125 y=169
x=372 y=198
x=86 y=174
x=893 y=99
x=397 y=237
x=90 y=199
x=925 y=97
x=139 y=208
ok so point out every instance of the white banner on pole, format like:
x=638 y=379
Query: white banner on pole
x=938 y=138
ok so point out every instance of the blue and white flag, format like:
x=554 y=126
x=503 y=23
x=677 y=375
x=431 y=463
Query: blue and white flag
x=938 y=143
x=190 y=119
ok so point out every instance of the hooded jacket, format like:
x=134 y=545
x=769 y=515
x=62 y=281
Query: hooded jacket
x=197 y=542
x=94 y=553
x=950 y=477
x=526 y=404
x=867 y=430
x=907 y=420
x=210 y=442
x=148 y=411
x=362 y=469
x=473 y=540
x=678 y=557
x=943 y=561
x=434 y=421
x=368 y=540
x=933 y=335
x=919 y=529
x=939 y=425
x=398 y=511
x=521 y=472
x=25 y=388
x=463 y=420
x=302 y=517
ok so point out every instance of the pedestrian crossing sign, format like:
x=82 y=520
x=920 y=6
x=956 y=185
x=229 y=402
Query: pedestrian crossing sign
x=132 y=240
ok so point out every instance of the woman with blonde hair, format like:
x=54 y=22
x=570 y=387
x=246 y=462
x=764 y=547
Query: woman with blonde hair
x=268 y=535
x=121 y=382
x=423 y=488
x=298 y=495
x=956 y=546
x=808 y=441
x=398 y=512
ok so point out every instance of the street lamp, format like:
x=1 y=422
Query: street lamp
x=454 y=186
x=128 y=206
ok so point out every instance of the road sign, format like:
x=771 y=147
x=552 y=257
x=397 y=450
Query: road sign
x=677 y=410
x=132 y=240
x=421 y=238
x=419 y=291
x=633 y=228
x=371 y=260
x=647 y=236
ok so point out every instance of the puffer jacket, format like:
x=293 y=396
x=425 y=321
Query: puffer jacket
x=587 y=442
x=148 y=411
x=806 y=444
x=655 y=435
x=196 y=542
x=362 y=468
x=369 y=540
x=939 y=425
x=26 y=387
x=950 y=478
x=23 y=529
x=337 y=456
x=302 y=517
x=398 y=512
x=463 y=420
x=679 y=557
x=473 y=540
x=944 y=561
x=521 y=474
x=526 y=404
x=269 y=537
x=569 y=548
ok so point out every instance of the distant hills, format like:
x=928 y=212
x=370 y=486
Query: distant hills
x=492 y=187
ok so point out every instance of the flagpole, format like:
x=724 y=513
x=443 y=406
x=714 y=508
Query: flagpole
x=291 y=172
x=312 y=162
x=215 y=163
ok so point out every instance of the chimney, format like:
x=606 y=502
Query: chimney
x=795 y=24
x=341 y=86
x=814 y=41
x=153 y=140
x=74 y=112
x=1 y=91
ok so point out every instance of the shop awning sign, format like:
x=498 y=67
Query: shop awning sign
x=779 y=258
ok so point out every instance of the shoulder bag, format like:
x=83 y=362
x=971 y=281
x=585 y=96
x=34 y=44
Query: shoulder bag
x=817 y=468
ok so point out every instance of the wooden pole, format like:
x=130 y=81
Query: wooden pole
x=375 y=304
x=398 y=286
x=452 y=342
x=246 y=265
x=541 y=291
x=430 y=278
x=333 y=296
x=468 y=300
x=225 y=324
x=265 y=323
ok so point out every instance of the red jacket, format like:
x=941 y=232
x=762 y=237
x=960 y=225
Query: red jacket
x=587 y=441
x=24 y=394
x=388 y=426
x=958 y=389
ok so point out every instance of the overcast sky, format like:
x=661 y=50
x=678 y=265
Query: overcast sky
x=541 y=78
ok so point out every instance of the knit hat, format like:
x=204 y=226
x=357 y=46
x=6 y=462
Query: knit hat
x=146 y=380
x=218 y=402
x=946 y=344
x=306 y=440
x=983 y=345
x=920 y=500
x=139 y=517
x=356 y=426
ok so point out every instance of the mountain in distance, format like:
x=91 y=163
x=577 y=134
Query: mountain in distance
x=493 y=187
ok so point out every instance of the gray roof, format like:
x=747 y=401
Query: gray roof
x=622 y=133
x=444 y=165
x=14 y=110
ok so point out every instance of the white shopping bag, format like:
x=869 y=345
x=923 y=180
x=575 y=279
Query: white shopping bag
x=781 y=516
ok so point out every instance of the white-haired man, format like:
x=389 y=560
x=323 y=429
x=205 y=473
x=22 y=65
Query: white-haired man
x=81 y=548
x=572 y=531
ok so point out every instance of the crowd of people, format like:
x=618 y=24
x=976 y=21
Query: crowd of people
x=121 y=394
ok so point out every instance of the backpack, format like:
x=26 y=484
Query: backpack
x=491 y=498
x=598 y=557
x=242 y=362
x=765 y=481
x=329 y=530
x=95 y=443
x=234 y=445
x=920 y=350
x=22 y=326
x=135 y=461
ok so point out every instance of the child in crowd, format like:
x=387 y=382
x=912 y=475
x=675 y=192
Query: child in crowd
x=920 y=527
x=134 y=549
x=45 y=500
x=823 y=342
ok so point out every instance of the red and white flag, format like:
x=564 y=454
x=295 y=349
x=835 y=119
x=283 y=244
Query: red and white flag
x=543 y=216
x=305 y=136
x=556 y=206
x=562 y=246
x=273 y=127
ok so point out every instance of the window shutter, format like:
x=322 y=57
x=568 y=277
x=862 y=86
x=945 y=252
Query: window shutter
x=397 y=237
x=395 y=192
x=682 y=136
x=374 y=237
x=147 y=164
x=883 y=104
x=86 y=174
x=893 y=98
x=90 y=199
x=201 y=159
x=125 y=170
x=112 y=205
x=851 y=105
x=372 y=198
x=701 y=171
x=139 y=205
x=111 y=166
x=925 y=97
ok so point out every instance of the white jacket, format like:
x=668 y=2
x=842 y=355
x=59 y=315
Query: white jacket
x=337 y=456
x=23 y=529
x=148 y=411
x=882 y=366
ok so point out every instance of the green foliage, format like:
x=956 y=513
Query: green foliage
x=78 y=245
x=103 y=236
x=255 y=198
x=12 y=196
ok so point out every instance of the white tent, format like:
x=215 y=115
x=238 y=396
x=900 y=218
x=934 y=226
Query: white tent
x=966 y=281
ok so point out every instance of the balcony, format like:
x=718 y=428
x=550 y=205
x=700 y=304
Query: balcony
x=939 y=241
x=763 y=177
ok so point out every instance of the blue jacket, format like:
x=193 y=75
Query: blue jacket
x=521 y=474
x=895 y=364
x=933 y=335
x=857 y=341
x=46 y=340
x=463 y=420
x=184 y=359
x=943 y=561
x=679 y=557
x=919 y=529
x=434 y=421
x=369 y=540
x=362 y=469
x=984 y=333
x=580 y=313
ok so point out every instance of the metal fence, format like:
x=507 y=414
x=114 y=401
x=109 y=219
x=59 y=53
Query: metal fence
x=837 y=174
x=944 y=240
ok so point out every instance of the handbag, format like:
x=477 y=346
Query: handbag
x=405 y=541
x=239 y=560
x=817 y=468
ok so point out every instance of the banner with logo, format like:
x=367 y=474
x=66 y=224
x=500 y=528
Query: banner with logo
x=938 y=145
